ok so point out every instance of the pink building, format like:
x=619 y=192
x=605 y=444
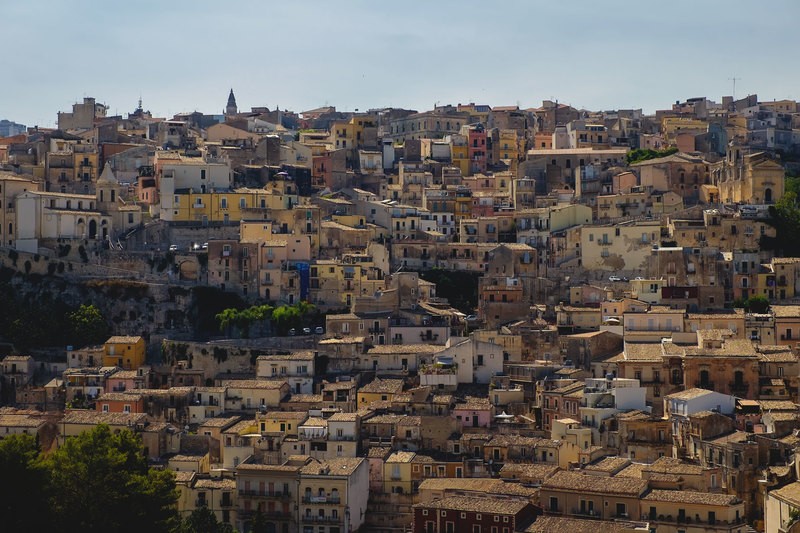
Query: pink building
x=477 y=412
x=123 y=380
x=477 y=148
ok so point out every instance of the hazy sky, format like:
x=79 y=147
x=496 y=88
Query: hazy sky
x=300 y=54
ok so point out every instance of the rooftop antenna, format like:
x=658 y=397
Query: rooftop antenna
x=734 y=80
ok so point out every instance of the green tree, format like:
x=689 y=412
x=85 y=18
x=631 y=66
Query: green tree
x=204 y=520
x=23 y=506
x=227 y=319
x=243 y=319
x=758 y=304
x=87 y=326
x=785 y=218
x=99 y=481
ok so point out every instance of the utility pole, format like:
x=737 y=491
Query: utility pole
x=734 y=80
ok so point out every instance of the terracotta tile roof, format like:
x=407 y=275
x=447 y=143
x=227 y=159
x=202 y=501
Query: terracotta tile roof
x=269 y=384
x=643 y=351
x=786 y=311
x=788 y=493
x=691 y=497
x=549 y=524
x=688 y=394
x=95 y=417
x=608 y=464
x=123 y=339
x=670 y=465
x=337 y=466
x=484 y=504
x=378 y=385
x=577 y=482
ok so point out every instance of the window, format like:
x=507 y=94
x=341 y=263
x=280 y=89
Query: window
x=223 y=203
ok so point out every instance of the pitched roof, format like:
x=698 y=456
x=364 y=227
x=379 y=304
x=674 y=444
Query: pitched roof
x=578 y=482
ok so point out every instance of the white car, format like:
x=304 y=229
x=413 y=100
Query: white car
x=173 y=247
x=614 y=278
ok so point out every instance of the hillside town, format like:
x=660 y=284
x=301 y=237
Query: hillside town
x=470 y=318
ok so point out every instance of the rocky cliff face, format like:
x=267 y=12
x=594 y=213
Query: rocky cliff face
x=151 y=304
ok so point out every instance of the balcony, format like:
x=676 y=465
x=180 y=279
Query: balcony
x=329 y=500
x=708 y=385
x=201 y=503
x=738 y=388
x=280 y=495
x=308 y=519
x=379 y=331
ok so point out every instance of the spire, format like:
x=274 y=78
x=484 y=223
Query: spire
x=107 y=175
x=231 y=108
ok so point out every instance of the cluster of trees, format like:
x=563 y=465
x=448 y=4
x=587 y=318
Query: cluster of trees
x=785 y=218
x=46 y=321
x=754 y=304
x=98 y=481
x=283 y=317
x=643 y=154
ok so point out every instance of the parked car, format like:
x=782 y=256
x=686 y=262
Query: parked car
x=306 y=331
x=319 y=330
x=195 y=246
x=614 y=278
x=205 y=246
x=292 y=332
x=173 y=247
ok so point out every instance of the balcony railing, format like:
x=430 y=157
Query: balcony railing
x=708 y=385
x=322 y=519
x=330 y=500
x=739 y=388
x=265 y=494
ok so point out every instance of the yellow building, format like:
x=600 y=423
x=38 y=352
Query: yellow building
x=281 y=422
x=459 y=153
x=338 y=282
x=753 y=178
x=397 y=473
x=354 y=133
x=379 y=390
x=125 y=352
x=215 y=207
x=334 y=493
x=672 y=126
x=216 y=494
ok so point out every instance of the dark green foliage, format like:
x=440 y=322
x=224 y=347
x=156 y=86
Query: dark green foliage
x=51 y=268
x=460 y=288
x=220 y=354
x=203 y=520
x=28 y=267
x=100 y=482
x=644 y=154
x=754 y=304
x=23 y=505
x=785 y=218
x=208 y=303
x=242 y=319
x=63 y=250
x=87 y=326
x=96 y=482
x=13 y=255
x=83 y=254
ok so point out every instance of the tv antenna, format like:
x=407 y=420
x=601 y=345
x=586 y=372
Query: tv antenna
x=734 y=80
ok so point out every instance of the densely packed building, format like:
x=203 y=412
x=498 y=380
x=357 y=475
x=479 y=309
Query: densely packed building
x=536 y=319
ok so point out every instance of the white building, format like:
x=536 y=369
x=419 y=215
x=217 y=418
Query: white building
x=296 y=368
